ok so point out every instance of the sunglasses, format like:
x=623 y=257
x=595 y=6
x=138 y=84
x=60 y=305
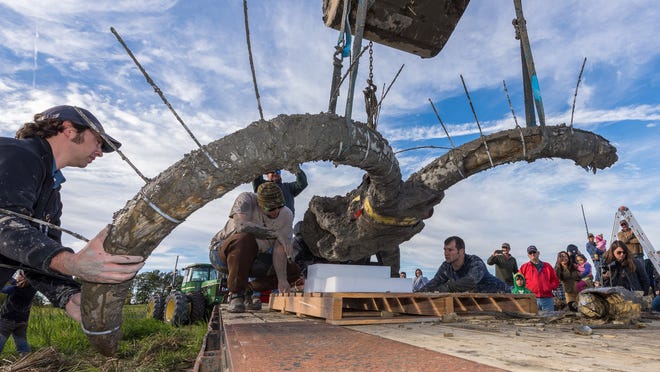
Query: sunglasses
x=273 y=209
x=619 y=252
x=533 y=252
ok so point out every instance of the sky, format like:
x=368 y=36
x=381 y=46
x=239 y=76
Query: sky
x=62 y=52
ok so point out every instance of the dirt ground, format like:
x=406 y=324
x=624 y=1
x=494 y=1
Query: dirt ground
x=533 y=344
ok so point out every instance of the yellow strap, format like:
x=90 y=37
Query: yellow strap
x=405 y=221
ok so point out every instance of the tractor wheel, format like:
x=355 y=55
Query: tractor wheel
x=155 y=307
x=197 y=306
x=176 y=309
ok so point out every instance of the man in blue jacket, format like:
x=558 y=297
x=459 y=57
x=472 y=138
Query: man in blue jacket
x=463 y=272
x=30 y=183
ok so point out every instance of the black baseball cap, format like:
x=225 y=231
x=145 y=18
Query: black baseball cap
x=73 y=114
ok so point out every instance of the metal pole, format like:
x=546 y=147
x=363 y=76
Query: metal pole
x=528 y=61
x=357 y=45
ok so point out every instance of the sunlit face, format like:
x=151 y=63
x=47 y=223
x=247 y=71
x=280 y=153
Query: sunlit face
x=85 y=146
x=453 y=254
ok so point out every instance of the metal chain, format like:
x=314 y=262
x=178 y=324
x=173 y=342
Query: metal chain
x=370 y=100
x=371 y=61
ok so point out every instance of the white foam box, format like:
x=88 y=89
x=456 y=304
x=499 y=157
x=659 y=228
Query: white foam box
x=328 y=270
x=354 y=284
x=354 y=278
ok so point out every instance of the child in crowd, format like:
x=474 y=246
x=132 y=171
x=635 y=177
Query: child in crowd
x=584 y=271
x=601 y=244
x=519 y=284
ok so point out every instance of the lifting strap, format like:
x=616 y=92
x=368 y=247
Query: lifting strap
x=343 y=49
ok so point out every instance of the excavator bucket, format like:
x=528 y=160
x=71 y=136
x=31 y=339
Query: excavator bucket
x=420 y=27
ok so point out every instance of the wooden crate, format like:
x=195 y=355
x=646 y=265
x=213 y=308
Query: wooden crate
x=365 y=308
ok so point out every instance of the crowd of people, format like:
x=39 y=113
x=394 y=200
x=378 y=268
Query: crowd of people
x=555 y=287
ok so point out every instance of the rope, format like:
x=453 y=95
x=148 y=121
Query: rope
x=162 y=97
x=576 y=90
x=385 y=91
x=98 y=333
x=453 y=147
x=249 y=47
x=159 y=211
x=41 y=222
x=477 y=120
x=522 y=137
x=146 y=180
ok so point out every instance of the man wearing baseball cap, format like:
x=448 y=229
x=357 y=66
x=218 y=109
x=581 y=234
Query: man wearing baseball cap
x=541 y=279
x=255 y=242
x=505 y=264
x=30 y=165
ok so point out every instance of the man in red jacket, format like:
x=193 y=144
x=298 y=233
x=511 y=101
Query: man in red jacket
x=541 y=279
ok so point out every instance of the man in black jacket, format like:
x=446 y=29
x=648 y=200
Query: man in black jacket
x=30 y=183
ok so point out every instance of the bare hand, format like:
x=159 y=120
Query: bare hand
x=283 y=286
x=73 y=307
x=94 y=264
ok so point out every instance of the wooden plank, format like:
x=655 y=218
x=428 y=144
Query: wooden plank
x=395 y=320
x=338 y=307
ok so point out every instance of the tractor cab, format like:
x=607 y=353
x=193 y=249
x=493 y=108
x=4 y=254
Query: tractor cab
x=195 y=275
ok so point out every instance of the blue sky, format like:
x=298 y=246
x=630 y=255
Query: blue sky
x=62 y=52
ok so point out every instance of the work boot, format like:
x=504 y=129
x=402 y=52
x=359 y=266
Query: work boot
x=236 y=303
x=253 y=303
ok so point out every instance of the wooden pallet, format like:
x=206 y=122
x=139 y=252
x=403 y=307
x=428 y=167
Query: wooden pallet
x=367 y=308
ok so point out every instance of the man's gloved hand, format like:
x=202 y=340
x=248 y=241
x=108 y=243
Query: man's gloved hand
x=294 y=169
x=442 y=288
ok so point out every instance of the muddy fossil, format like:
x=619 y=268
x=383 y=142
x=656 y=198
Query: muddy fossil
x=393 y=209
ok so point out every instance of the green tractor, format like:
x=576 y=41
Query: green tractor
x=201 y=290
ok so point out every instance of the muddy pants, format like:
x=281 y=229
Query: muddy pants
x=241 y=254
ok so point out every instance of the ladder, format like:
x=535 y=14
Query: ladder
x=623 y=213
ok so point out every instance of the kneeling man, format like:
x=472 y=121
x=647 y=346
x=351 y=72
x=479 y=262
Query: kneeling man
x=462 y=272
x=256 y=243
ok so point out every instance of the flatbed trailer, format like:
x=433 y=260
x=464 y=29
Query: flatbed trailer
x=274 y=340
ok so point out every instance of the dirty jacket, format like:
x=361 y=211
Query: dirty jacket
x=26 y=187
x=473 y=276
x=541 y=282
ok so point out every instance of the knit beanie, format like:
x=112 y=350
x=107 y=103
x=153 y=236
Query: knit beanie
x=269 y=196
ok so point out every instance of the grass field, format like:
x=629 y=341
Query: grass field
x=58 y=344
